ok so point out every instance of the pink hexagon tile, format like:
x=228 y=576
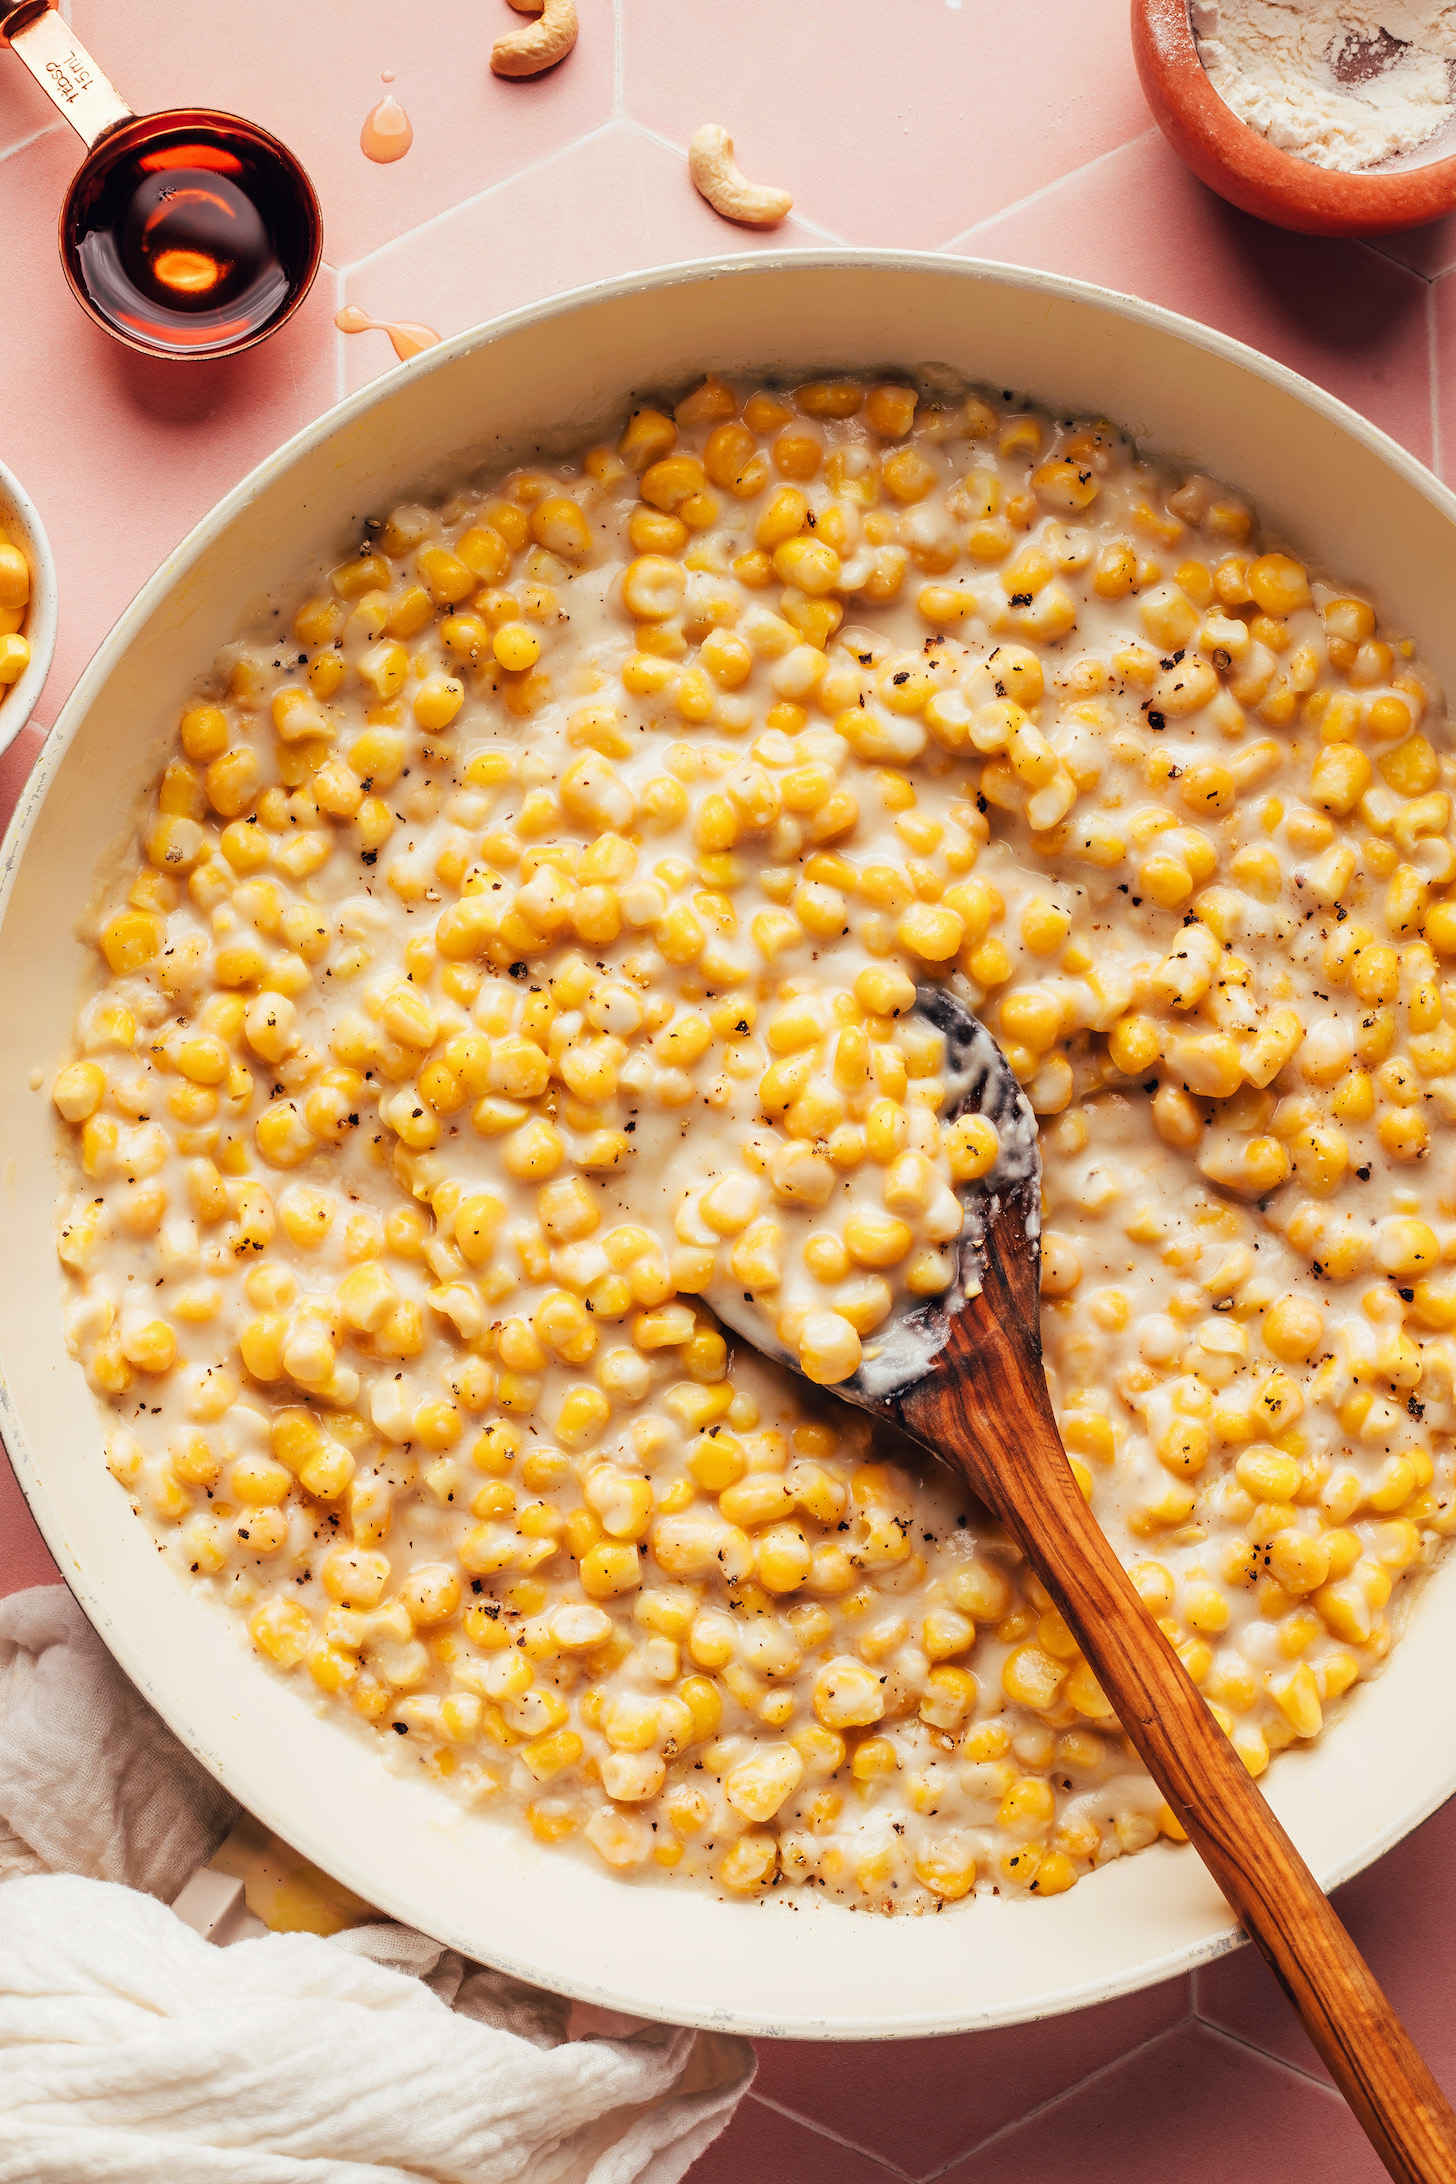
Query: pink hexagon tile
x=1428 y=251
x=762 y=2145
x=24 y=108
x=897 y=125
x=1341 y=313
x=123 y=453
x=16 y=762
x=617 y=203
x=1443 y=364
x=941 y=2096
x=302 y=73
x=26 y=1559
x=1402 y=1919
x=1192 y=2105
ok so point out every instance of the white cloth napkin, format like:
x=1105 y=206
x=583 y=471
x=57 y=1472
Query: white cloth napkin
x=132 y=2050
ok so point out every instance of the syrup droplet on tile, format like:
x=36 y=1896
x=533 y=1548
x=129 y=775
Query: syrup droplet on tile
x=387 y=133
x=407 y=335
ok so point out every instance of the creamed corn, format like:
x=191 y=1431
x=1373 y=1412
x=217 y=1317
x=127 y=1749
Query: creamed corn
x=524 y=952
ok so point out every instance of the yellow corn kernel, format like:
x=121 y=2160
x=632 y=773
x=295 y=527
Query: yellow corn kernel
x=874 y=1239
x=931 y=931
x=610 y=1568
x=1339 y=778
x=437 y=701
x=130 y=941
x=1134 y=1044
x=1033 y=1677
x=152 y=1348
x=516 y=646
x=847 y=1695
x=283 y=1630
x=551 y=1755
x=79 y=1090
x=946 y=1868
x=1403 y=1134
x=649 y=436
x=1297 y=1697
x=1278 y=584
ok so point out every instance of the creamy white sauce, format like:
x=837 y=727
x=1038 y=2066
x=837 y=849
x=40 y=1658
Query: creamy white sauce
x=794 y=1655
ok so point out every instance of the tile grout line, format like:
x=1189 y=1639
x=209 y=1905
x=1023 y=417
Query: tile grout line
x=1053 y=2100
x=1371 y=246
x=1376 y=245
x=51 y=128
x=1433 y=367
x=468 y=204
x=823 y=2131
x=1372 y=249
x=1278 y=2062
x=1034 y=197
x=1074 y=174
x=341 y=369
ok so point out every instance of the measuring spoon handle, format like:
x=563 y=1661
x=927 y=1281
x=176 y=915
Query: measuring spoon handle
x=65 y=71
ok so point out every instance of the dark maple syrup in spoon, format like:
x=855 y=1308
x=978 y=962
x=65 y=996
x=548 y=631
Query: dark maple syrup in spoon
x=192 y=239
x=185 y=234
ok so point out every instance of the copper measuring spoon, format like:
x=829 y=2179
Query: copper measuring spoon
x=963 y=1376
x=187 y=233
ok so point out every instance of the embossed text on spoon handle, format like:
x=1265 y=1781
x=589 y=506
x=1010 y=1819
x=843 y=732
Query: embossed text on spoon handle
x=45 y=43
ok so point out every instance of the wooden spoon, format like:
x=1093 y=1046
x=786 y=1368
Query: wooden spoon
x=974 y=1392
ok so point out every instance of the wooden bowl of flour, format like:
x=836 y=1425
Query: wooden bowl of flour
x=1254 y=174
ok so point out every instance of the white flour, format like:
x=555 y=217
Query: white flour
x=1341 y=83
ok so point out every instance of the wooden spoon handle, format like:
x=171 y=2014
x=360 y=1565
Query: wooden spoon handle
x=1028 y=1480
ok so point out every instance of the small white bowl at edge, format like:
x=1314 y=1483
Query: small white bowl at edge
x=18 y=517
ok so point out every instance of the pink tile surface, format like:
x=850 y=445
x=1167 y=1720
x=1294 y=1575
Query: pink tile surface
x=1340 y=312
x=941 y=2096
x=471 y=128
x=923 y=118
x=1403 y=1919
x=24 y=1557
x=763 y=2146
x=1001 y=132
x=1427 y=250
x=24 y=110
x=471 y=263
x=1194 y=2106
x=122 y=453
x=1443 y=372
x=15 y=765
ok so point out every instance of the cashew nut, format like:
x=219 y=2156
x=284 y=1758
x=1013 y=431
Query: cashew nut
x=540 y=45
x=716 y=176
